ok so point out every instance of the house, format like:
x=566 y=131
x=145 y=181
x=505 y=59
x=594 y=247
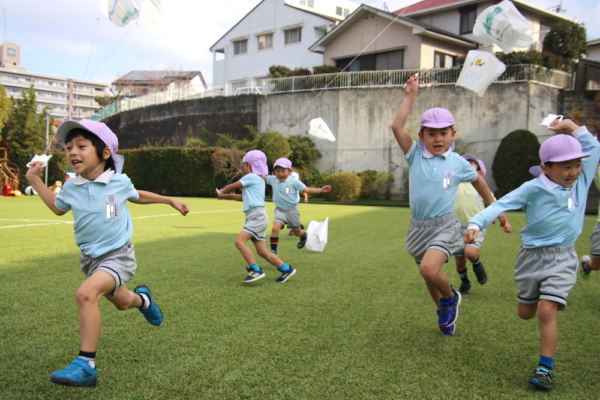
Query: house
x=385 y=41
x=458 y=17
x=593 y=51
x=179 y=84
x=275 y=32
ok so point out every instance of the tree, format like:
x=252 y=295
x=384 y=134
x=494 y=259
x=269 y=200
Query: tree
x=518 y=151
x=5 y=107
x=566 y=39
x=274 y=145
x=25 y=130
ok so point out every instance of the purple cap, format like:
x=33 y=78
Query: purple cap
x=283 y=162
x=99 y=129
x=536 y=170
x=258 y=160
x=471 y=157
x=561 y=148
x=437 y=118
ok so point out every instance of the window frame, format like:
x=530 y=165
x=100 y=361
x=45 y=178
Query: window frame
x=238 y=44
x=265 y=47
x=468 y=15
x=287 y=36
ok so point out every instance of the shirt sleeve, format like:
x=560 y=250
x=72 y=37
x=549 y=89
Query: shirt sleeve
x=298 y=185
x=412 y=153
x=132 y=193
x=60 y=200
x=469 y=173
x=590 y=146
x=271 y=179
x=514 y=200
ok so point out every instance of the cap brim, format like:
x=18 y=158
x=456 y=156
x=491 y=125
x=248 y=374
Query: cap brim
x=118 y=160
x=536 y=170
x=66 y=127
x=568 y=157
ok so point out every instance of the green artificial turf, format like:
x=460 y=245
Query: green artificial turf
x=355 y=322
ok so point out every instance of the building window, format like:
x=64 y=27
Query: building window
x=265 y=41
x=293 y=36
x=342 y=12
x=389 y=60
x=468 y=15
x=442 y=60
x=240 y=47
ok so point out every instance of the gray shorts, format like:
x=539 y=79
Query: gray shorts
x=256 y=223
x=546 y=273
x=595 y=241
x=288 y=216
x=119 y=263
x=441 y=233
x=477 y=244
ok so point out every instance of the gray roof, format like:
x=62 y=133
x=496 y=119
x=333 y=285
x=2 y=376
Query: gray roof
x=167 y=77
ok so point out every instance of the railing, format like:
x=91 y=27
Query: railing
x=434 y=76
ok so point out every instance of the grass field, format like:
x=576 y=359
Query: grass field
x=355 y=322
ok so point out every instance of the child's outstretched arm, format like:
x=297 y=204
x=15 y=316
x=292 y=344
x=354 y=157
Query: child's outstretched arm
x=153 y=198
x=564 y=125
x=47 y=195
x=311 y=190
x=226 y=194
x=398 y=125
x=305 y=197
x=484 y=191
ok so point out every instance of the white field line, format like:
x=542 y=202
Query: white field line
x=53 y=222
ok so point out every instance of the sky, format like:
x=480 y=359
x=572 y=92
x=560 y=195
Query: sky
x=72 y=39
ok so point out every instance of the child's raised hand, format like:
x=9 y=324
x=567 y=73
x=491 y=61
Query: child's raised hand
x=471 y=236
x=221 y=195
x=35 y=170
x=180 y=206
x=565 y=125
x=326 y=188
x=412 y=85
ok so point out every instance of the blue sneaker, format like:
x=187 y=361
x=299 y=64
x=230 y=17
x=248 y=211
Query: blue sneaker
x=302 y=242
x=449 y=330
x=152 y=313
x=543 y=378
x=274 y=252
x=78 y=373
x=449 y=310
x=253 y=275
x=286 y=275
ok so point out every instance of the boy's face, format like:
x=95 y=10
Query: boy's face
x=437 y=140
x=247 y=168
x=82 y=157
x=476 y=166
x=565 y=173
x=282 y=173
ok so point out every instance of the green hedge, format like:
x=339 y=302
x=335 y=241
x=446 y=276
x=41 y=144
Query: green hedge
x=517 y=152
x=345 y=186
x=376 y=185
x=171 y=171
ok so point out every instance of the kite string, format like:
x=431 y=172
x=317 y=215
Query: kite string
x=92 y=47
x=113 y=49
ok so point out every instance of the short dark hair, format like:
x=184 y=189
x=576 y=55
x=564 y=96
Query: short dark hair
x=549 y=164
x=98 y=144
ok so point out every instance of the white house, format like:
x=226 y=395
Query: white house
x=275 y=32
x=458 y=17
x=593 y=51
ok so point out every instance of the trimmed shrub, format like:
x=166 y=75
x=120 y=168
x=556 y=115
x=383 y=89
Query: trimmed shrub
x=518 y=151
x=375 y=185
x=57 y=168
x=274 y=145
x=226 y=164
x=326 y=69
x=345 y=186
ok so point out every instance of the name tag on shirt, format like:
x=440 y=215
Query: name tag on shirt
x=287 y=189
x=447 y=179
x=572 y=202
x=111 y=204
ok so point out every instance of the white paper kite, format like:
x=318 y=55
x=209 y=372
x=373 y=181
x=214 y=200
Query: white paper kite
x=317 y=235
x=43 y=158
x=504 y=25
x=551 y=118
x=480 y=70
x=122 y=12
x=319 y=128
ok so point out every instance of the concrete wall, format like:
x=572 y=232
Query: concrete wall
x=162 y=123
x=361 y=118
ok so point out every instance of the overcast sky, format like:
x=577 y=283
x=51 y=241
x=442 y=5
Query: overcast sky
x=71 y=39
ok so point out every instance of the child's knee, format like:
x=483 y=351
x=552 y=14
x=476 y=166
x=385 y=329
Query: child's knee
x=84 y=295
x=428 y=271
x=547 y=311
x=472 y=253
x=527 y=311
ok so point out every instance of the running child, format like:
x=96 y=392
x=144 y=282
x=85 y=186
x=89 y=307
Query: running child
x=554 y=205
x=98 y=198
x=253 y=195
x=467 y=204
x=435 y=172
x=286 y=195
x=297 y=176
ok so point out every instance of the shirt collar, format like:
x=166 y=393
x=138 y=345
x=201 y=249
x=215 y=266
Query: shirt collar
x=105 y=177
x=289 y=178
x=550 y=184
x=427 y=154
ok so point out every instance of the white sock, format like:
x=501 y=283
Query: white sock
x=91 y=361
x=145 y=301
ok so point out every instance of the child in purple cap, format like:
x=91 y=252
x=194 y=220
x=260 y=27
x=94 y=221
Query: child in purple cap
x=554 y=205
x=286 y=195
x=467 y=204
x=255 y=228
x=435 y=173
x=98 y=198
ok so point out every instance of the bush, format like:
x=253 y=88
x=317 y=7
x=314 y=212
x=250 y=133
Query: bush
x=326 y=69
x=375 y=185
x=274 y=145
x=518 y=151
x=57 y=168
x=279 y=71
x=345 y=186
x=226 y=164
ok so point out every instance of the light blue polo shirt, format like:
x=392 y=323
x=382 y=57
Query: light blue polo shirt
x=286 y=194
x=253 y=192
x=434 y=181
x=101 y=218
x=554 y=213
